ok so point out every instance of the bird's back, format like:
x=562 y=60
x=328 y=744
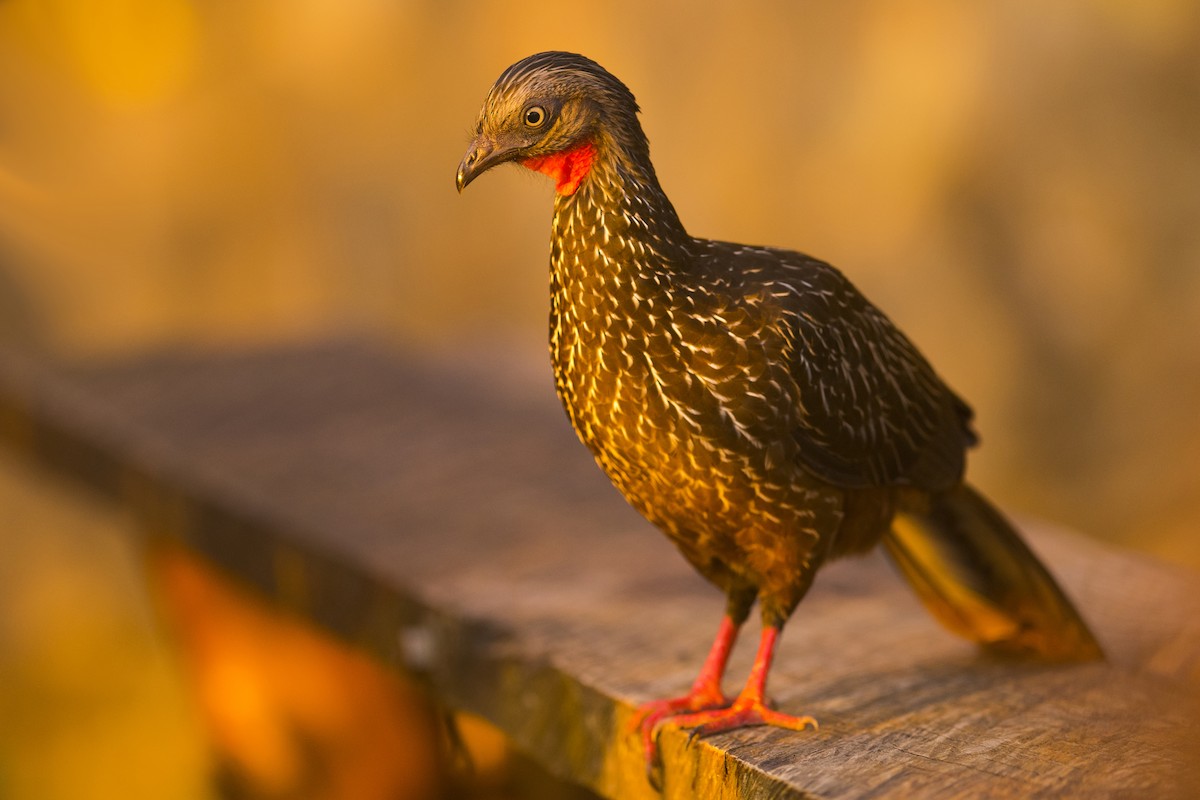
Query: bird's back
x=869 y=409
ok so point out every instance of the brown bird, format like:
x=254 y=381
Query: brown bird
x=750 y=402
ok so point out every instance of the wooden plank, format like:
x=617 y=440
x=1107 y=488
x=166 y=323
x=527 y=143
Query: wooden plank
x=443 y=516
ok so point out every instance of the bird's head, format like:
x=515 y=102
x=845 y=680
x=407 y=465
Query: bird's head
x=552 y=112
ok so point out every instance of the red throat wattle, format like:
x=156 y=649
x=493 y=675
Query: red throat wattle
x=568 y=167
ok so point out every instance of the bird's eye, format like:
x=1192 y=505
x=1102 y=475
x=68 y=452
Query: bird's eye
x=535 y=116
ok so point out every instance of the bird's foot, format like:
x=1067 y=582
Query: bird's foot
x=745 y=712
x=648 y=716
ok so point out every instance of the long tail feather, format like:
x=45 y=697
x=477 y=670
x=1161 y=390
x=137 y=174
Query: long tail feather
x=978 y=578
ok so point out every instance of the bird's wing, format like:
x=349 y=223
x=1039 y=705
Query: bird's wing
x=871 y=410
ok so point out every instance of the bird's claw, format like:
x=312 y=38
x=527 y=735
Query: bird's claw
x=703 y=714
x=648 y=717
x=654 y=774
x=740 y=714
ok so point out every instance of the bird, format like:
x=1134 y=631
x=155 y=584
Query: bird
x=751 y=403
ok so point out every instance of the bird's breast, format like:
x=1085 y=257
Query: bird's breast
x=670 y=399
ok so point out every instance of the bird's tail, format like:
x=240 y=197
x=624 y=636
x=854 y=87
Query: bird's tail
x=980 y=580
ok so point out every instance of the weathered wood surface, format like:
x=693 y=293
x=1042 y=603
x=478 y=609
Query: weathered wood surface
x=444 y=517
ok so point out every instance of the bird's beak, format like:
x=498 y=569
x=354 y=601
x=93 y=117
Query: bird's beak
x=481 y=156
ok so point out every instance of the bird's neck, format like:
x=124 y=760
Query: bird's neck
x=617 y=252
x=617 y=218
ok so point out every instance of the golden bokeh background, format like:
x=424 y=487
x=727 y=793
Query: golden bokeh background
x=1017 y=184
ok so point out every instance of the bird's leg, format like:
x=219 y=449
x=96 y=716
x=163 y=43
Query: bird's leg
x=749 y=708
x=705 y=692
x=706 y=689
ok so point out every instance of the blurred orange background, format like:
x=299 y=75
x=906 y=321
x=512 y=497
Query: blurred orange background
x=1018 y=185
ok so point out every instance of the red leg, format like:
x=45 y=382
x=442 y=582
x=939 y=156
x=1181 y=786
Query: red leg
x=705 y=692
x=749 y=708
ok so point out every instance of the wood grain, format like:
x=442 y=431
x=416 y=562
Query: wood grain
x=442 y=516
